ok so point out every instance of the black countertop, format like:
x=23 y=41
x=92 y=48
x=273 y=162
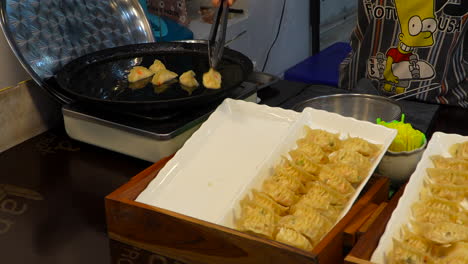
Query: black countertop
x=53 y=210
x=52 y=188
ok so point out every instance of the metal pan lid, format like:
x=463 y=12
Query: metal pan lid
x=47 y=34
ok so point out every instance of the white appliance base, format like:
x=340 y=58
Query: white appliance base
x=123 y=139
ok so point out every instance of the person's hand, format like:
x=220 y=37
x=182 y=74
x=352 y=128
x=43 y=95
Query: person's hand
x=216 y=2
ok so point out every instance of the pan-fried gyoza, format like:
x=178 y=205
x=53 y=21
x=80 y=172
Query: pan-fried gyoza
x=157 y=66
x=308 y=190
x=163 y=76
x=212 y=79
x=459 y=150
x=188 y=79
x=138 y=73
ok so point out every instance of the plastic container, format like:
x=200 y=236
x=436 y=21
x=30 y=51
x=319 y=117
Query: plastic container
x=399 y=166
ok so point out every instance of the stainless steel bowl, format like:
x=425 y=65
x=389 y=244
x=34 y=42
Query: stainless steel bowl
x=360 y=106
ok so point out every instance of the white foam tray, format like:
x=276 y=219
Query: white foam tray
x=318 y=119
x=438 y=145
x=213 y=166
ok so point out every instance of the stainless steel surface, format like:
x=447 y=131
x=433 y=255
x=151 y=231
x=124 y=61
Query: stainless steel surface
x=262 y=79
x=217 y=39
x=45 y=35
x=360 y=106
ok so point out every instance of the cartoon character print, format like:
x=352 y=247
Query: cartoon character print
x=400 y=65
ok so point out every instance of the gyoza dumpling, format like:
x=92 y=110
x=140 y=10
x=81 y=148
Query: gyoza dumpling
x=352 y=158
x=305 y=211
x=257 y=220
x=212 y=79
x=433 y=202
x=263 y=200
x=157 y=66
x=350 y=173
x=188 y=79
x=138 y=73
x=280 y=193
x=329 y=142
x=311 y=226
x=421 y=213
x=442 y=233
x=415 y=241
x=459 y=150
x=304 y=206
x=293 y=238
x=312 y=151
x=318 y=189
x=316 y=202
x=455 y=254
x=455 y=193
x=323 y=199
x=163 y=76
x=320 y=203
x=448 y=176
x=455 y=259
x=404 y=254
x=159 y=89
x=362 y=146
x=289 y=181
x=287 y=167
x=139 y=84
x=189 y=90
x=301 y=160
x=449 y=163
x=328 y=176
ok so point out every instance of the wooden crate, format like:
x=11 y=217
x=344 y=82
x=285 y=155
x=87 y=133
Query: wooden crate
x=365 y=246
x=190 y=240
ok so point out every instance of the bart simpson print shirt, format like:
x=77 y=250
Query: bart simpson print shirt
x=410 y=46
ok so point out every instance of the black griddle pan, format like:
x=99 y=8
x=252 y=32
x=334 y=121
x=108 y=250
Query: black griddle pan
x=100 y=78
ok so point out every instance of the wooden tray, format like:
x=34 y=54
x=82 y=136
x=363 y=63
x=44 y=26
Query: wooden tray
x=365 y=246
x=190 y=240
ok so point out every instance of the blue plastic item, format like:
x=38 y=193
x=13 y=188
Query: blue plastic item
x=322 y=68
x=165 y=29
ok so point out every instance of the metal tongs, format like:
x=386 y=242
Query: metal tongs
x=217 y=41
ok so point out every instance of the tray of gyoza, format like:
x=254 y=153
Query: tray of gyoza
x=428 y=222
x=257 y=184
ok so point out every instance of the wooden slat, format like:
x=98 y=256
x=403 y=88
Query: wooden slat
x=350 y=232
x=354 y=260
x=368 y=242
x=379 y=191
x=371 y=219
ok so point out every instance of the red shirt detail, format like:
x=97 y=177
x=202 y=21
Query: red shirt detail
x=397 y=56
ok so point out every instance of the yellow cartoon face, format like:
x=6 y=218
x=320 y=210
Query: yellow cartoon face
x=417 y=23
